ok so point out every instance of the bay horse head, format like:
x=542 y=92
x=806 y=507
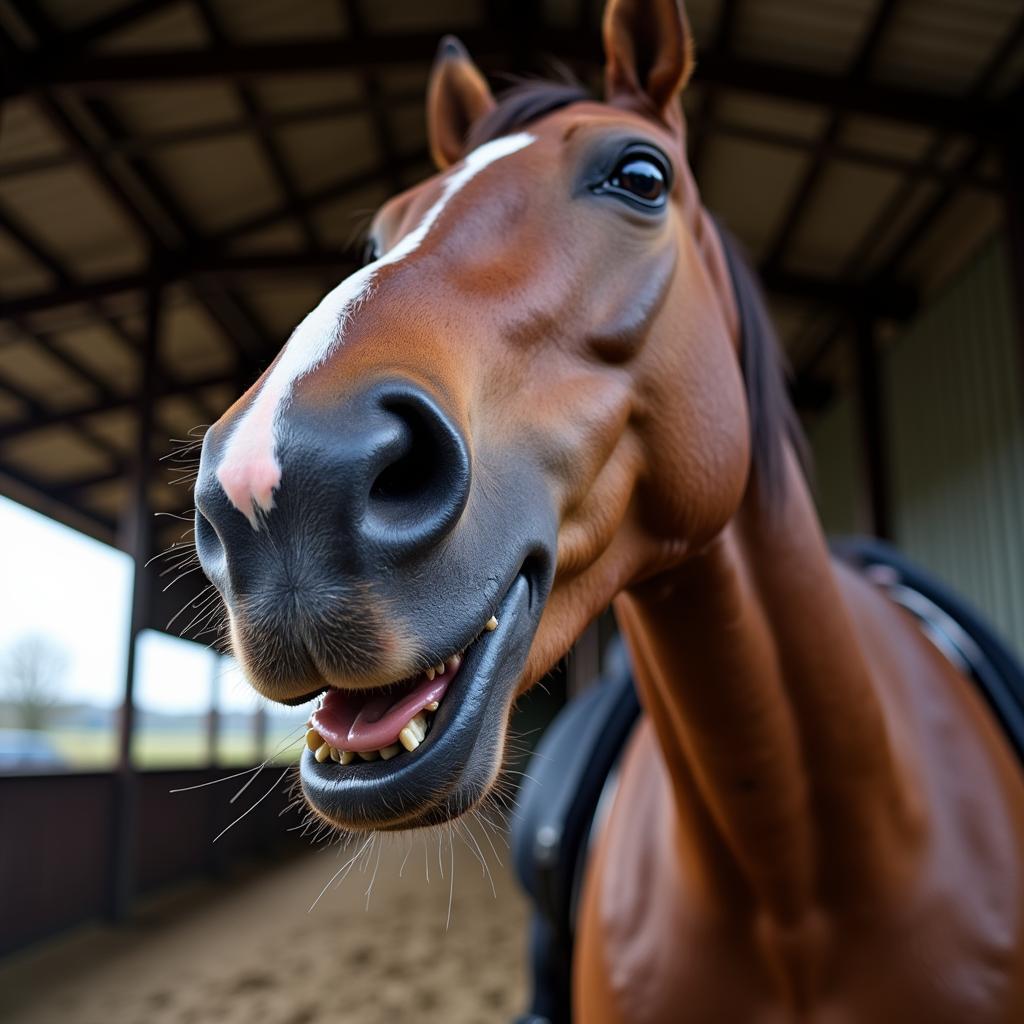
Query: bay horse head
x=531 y=398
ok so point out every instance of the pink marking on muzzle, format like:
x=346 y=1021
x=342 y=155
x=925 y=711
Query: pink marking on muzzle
x=250 y=472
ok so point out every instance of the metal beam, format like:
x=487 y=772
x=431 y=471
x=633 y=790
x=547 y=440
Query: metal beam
x=724 y=30
x=279 y=169
x=854 y=266
x=896 y=301
x=225 y=266
x=125 y=820
x=802 y=85
x=142 y=143
x=41 y=418
x=815 y=167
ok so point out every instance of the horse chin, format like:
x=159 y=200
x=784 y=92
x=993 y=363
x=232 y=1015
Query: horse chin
x=455 y=765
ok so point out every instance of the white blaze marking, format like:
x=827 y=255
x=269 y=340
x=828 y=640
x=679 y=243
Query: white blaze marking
x=249 y=471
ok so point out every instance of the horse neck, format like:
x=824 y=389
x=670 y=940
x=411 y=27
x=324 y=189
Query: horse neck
x=767 y=714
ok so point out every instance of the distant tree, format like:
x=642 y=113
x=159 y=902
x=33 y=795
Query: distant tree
x=30 y=678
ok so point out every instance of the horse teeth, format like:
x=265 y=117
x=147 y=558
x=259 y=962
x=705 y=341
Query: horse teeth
x=346 y=756
x=313 y=739
x=414 y=732
x=439 y=668
x=491 y=624
x=323 y=752
x=433 y=705
x=453 y=663
x=335 y=755
x=369 y=755
x=430 y=674
x=389 y=752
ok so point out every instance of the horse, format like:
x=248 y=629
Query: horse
x=536 y=399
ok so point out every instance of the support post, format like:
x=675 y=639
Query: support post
x=140 y=544
x=871 y=405
x=213 y=714
x=1013 y=184
x=259 y=729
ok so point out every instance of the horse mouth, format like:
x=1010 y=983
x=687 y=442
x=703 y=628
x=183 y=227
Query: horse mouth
x=427 y=748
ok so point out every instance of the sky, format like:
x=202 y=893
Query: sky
x=77 y=592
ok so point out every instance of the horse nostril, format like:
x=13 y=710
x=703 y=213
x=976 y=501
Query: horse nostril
x=411 y=474
x=422 y=483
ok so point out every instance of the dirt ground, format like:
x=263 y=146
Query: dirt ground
x=252 y=950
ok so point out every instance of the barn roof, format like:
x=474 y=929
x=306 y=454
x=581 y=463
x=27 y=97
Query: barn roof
x=225 y=152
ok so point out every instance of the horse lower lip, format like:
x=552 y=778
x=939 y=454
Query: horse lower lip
x=448 y=769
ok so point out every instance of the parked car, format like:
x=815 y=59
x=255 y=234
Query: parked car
x=29 y=750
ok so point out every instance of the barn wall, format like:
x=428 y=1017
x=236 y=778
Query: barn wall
x=954 y=393
x=837 y=477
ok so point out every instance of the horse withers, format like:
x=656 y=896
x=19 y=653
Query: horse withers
x=534 y=399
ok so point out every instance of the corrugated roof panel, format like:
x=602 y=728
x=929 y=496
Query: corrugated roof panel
x=564 y=13
x=288 y=93
x=41 y=376
x=271 y=21
x=179 y=414
x=193 y=344
x=147 y=109
x=409 y=128
x=25 y=134
x=959 y=232
x=417 y=16
x=282 y=304
x=72 y=216
x=119 y=427
x=10 y=408
x=110 y=358
x=54 y=455
x=885 y=137
x=900 y=213
x=174 y=28
x=279 y=238
x=702 y=14
x=766 y=114
x=408 y=78
x=318 y=157
x=731 y=168
x=219 y=181
x=822 y=35
x=848 y=197
x=343 y=223
x=19 y=273
x=81 y=12
x=108 y=499
x=943 y=44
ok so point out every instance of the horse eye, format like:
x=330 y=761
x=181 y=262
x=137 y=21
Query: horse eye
x=640 y=177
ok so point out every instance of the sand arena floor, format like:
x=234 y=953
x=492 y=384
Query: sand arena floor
x=252 y=951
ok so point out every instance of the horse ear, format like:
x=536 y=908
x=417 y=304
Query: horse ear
x=457 y=97
x=648 y=49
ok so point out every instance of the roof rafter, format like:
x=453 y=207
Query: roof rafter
x=803 y=85
x=805 y=191
x=853 y=268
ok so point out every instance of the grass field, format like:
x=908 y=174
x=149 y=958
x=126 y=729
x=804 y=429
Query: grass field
x=95 y=749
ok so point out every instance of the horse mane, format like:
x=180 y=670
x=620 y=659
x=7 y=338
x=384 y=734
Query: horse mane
x=773 y=420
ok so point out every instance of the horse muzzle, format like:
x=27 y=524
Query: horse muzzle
x=381 y=575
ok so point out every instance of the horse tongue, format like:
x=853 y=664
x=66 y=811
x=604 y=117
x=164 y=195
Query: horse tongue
x=350 y=720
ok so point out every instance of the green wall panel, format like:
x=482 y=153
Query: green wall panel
x=953 y=388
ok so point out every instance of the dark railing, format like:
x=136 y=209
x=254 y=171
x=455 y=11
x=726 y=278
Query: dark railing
x=57 y=835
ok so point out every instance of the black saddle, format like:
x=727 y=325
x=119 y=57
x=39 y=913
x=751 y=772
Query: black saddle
x=576 y=761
